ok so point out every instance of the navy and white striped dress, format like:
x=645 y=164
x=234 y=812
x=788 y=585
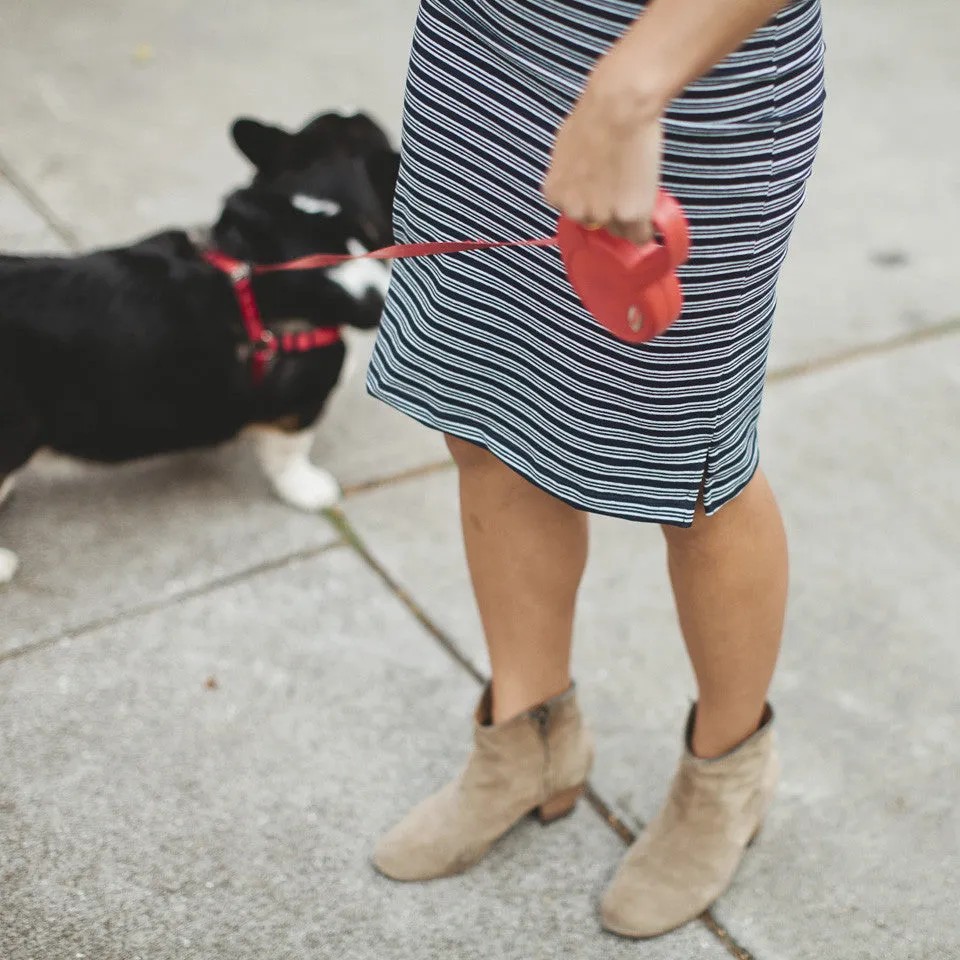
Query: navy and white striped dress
x=494 y=346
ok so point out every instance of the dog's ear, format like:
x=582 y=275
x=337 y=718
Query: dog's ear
x=246 y=228
x=261 y=144
x=365 y=134
x=382 y=169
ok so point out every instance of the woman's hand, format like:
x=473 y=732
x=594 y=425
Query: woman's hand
x=606 y=158
x=605 y=166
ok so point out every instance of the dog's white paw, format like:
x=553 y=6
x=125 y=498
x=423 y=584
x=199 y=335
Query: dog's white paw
x=307 y=487
x=8 y=565
x=295 y=480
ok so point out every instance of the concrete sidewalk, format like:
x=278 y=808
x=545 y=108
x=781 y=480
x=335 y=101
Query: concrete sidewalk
x=210 y=706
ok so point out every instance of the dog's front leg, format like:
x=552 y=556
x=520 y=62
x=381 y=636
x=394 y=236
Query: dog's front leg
x=8 y=559
x=8 y=565
x=284 y=456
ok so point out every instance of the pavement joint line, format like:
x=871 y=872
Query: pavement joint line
x=596 y=802
x=39 y=205
x=623 y=831
x=164 y=603
x=401 y=476
x=351 y=538
x=935 y=331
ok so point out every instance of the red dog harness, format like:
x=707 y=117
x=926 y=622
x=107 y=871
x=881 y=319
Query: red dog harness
x=264 y=344
x=631 y=290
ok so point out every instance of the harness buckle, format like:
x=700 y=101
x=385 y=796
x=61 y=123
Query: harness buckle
x=240 y=271
x=265 y=345
x=262 y=350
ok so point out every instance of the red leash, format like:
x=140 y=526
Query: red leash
x=631 y=290
x=401 y=251
x=265 y=344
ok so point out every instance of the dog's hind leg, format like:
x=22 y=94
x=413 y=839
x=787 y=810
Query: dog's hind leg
x=8 y=559
x=284 y=456
x=19 y=441
x=6 y=488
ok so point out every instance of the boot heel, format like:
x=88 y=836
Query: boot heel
x=559 y=805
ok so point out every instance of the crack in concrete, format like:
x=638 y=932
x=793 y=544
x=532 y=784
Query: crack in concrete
x=348 y=539
x=164 y=603
x=351 y=538
x=412 y=473
x=606 y=813
x=599 y=806
x=39 y=206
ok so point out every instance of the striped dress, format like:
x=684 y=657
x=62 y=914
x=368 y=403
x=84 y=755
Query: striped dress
x=494 y=346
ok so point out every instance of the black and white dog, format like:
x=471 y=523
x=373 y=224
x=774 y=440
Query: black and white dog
x=143 y=350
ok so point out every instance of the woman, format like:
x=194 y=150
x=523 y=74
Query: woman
x=549 y=417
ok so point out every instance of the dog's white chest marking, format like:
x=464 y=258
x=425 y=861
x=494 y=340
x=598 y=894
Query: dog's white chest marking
x=284 y=458
x=315 y=206
x=359 y=277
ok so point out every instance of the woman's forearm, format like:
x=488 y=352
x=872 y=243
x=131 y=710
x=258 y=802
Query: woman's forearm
x=676 y=41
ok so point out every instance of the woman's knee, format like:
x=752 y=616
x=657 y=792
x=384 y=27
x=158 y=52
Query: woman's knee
x=467 y=455
x=745 y=514
x=484 y=467
x=681 y=537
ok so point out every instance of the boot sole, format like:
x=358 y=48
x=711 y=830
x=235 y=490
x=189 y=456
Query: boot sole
x=629 y=934
x=560 y=805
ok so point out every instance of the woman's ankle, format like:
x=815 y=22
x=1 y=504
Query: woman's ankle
x=718 y=730
x=510 y=699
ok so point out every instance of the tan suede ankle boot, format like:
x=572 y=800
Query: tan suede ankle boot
x=688 y=854
x=539 y=760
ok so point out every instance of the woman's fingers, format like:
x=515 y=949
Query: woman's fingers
x=636 y=231
x=611 y=183
x=605 y=164
x=639 y=231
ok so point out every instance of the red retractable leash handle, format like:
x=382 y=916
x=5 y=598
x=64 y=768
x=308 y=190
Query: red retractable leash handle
x=631 y=290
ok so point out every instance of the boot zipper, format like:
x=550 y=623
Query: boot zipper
x=541 y=716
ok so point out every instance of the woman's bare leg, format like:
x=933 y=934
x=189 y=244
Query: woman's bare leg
x=526 y=553
x=729 y=576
